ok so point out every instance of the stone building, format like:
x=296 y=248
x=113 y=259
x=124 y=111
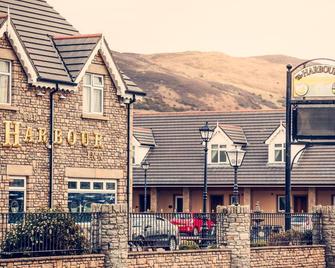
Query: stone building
x=171 y=143
x=63 y=113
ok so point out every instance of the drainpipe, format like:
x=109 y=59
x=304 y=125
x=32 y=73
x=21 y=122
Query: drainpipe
x=51 y=144
x=131 y=101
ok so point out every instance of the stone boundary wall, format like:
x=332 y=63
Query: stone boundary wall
x=288 y=256
x=71 y=261
x=210 y=258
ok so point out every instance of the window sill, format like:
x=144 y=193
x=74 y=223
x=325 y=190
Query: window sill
x=276 y=164
x=94 y=117
x=218 y=165
x=8 y=107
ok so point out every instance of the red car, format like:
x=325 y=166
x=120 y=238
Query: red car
x=190 y=223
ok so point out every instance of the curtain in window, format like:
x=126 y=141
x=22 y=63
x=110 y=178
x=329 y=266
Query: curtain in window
x=4 y=89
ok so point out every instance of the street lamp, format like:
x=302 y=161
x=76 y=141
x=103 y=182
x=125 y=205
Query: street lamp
x=206 y=134
x=145 y=166
x=235 y=158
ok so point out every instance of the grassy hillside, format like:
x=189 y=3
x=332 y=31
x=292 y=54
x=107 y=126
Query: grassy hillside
x=207 y=80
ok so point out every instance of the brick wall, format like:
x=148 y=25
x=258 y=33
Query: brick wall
x=189 y=258
x=292 y=256
x=83 y=261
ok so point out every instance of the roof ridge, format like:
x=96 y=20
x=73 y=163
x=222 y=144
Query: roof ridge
x=143 y=113
x=77 y=36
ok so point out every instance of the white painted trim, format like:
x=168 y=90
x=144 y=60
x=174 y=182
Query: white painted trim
x=110 y=64
x=20 y=52
x=275 y=133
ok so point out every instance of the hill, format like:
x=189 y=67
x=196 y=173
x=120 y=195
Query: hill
x=207 y=80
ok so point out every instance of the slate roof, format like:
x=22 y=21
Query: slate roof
x=75 y=51
x=177 y=160
x=144 y=136
x=36 y=23
x=235 y=133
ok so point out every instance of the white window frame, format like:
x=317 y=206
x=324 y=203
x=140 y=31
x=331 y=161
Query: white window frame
x=219 y=153
x=93 y=87
x=282 y=149
x=91 y=190
x=9 y=74
x=17 y=189
x=278 y=203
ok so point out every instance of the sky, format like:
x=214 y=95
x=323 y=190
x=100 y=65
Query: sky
x=299 y=28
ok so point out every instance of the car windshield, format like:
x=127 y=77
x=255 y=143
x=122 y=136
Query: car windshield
x=299 y=219
x=183 y=216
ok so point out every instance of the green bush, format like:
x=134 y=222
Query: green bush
x=47 y=233
x=259 y=243
x=188 y=245
x=291 y=237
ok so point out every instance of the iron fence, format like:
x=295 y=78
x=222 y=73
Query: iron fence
x=269 y=229
x=44 y=234
x=173 y=231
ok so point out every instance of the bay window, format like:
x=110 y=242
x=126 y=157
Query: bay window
x=82 y=193
x=5 y=82
x=93 y=93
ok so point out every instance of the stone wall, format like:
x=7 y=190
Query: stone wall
x=186 y=258
x=75 y=261
x=289 y=256
x=29 y=159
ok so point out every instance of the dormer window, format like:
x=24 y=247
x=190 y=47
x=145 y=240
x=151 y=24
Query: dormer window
x=218 y=153
x=5 y=82
x=93 y=94
x=279 y=152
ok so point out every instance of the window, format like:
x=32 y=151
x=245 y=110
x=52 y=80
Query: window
x=93 y=93
x=218 y=153
x=142 y=202
x=17 y=194
x=5 y=82
x=133 y=155
x=82 y=193
x=178 y=203
x=281 y=203
x=232 y=201
x=279 y=153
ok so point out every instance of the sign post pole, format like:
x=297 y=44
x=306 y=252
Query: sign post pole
x=288 y=149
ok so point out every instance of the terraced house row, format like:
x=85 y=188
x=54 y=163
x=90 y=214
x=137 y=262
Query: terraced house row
x=172 y=145
x=64 y=113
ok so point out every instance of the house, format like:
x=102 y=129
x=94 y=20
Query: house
x=176 y=156
x=63 y=113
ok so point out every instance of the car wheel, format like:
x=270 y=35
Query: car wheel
x=195 y=232
x=172 y=244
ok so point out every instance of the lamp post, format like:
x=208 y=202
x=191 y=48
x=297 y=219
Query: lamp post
x=206 y=134
x=235 y=158
x=145 y=166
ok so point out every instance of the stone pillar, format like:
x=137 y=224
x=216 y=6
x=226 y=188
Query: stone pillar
x=311 y=198
x=328 y=232
x=247 y=197
x=153 y=199
x=114 y=238
x=233 y=233
x=186 y=199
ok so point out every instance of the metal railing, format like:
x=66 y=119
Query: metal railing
x=173 y=231
x=45 y=234
x=268 y=229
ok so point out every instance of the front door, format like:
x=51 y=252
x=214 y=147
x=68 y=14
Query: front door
x=300 y=203
x=178 y=203
x=216 y=200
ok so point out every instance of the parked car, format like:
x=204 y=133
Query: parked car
x=153 y=231
x=191 y=223
x=302 y=222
